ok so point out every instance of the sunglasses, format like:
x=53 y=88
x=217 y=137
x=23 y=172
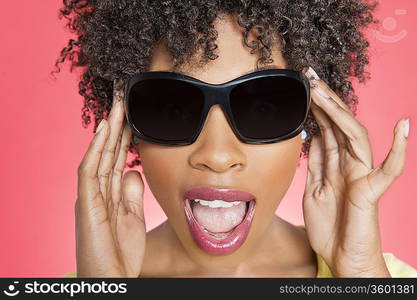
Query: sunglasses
x=261 y=107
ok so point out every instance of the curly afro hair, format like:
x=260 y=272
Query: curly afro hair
x=115 y=40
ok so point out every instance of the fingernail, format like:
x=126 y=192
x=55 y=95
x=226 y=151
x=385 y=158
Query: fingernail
x=120 y=95
x=101 y=125
x=313 y=83
x=117 y=90
x=312 y=74
x=406 y=127
x=117 y=95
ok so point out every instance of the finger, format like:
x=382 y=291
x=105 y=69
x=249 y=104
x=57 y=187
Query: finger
x=392 y=167
x=119 y=142
x=330 y=144
x=110 y=205
x=356 y=134
x=131 y=241
x=113 y=203
x=323 y=88
x=314 y=81
x=115 y=121
x=131 y=223
x=117 y=96
x=315 y=164
x=118 y=93
x=133 y=190
x=340 y=138
x=87 y=170
x=119 y=167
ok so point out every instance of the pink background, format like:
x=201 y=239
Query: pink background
x=43 y=140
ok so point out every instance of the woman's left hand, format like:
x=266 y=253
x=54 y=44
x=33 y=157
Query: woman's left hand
x=343 y=187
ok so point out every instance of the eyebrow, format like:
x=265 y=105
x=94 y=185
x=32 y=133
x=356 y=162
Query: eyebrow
x=262 y=68
x=256 y=69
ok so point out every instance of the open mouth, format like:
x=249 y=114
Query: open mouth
x=219 y=226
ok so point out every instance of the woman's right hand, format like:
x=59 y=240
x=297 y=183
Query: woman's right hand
x=110 y=225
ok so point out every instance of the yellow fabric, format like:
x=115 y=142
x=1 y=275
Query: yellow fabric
x=70 y=275
x=396 y=267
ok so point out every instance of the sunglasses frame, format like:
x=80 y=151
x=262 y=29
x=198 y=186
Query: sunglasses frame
x=216 y=94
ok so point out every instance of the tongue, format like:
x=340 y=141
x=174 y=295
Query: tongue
x=219 y=219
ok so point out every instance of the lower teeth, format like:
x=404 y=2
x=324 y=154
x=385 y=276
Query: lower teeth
x=218 y=235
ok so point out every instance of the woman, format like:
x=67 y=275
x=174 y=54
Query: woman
x=218 y=150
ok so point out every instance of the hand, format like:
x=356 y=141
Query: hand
x=340 y=202
x=110 y=226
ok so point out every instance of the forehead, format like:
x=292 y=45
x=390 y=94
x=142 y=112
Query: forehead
x=234 y=57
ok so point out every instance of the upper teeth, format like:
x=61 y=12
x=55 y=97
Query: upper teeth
x=216 y=203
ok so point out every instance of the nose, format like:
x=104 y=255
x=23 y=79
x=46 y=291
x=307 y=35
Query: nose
x=217 y=148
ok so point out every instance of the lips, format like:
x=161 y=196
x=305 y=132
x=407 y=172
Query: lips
x=219 y=219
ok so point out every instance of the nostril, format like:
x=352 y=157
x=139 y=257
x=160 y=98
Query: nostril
x=237 y=165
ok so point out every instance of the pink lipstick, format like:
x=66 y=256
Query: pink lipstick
x=219 y=219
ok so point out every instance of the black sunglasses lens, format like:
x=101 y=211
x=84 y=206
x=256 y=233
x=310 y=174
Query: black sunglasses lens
x=165 y=109
x=268 y=107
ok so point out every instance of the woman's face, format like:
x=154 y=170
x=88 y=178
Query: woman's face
x=218 y=159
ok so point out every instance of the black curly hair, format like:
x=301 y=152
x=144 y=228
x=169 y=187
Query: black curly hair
x=115 y=39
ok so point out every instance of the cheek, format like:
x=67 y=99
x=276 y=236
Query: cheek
x=163 y=168
x=269 y=173
x=275 y=169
